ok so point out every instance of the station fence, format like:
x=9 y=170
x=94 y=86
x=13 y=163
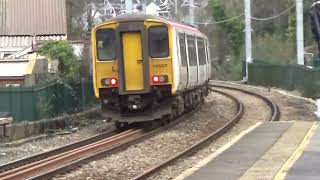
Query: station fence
x=291 y=77
x=46 y=101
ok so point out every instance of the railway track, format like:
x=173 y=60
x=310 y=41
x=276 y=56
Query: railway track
x=275 y=114
x=41 y=156
x=49 y=164
x=53 y=164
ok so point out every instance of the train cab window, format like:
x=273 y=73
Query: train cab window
x=201 y=51
x=192 y=50
x=106 y=44
x=158 y=42
x=183 y=51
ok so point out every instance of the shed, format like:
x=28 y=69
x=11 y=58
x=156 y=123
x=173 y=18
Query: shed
x=25 y=22
x=26 y=72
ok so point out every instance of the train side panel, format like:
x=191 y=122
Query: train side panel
x=193 y=59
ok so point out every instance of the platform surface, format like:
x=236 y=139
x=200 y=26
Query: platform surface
x=307 y=167
x=263 y=152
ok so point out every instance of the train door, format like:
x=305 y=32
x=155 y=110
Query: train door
x=133 y=61
x=183 y=60
x=208 y=64
x=192 y=57
x=202 y=60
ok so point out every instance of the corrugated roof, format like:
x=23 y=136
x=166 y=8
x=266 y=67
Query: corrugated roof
x=33 y=17
x=26 y=41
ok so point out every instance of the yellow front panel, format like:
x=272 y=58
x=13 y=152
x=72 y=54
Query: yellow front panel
x=106 y=70
x=162 y=66
x=132 y=57
x=102 y=69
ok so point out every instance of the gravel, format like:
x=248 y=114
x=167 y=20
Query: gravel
x=291 y=108
x=34 y=146
x=214 y=113
x=255 y=111
x=125 y=165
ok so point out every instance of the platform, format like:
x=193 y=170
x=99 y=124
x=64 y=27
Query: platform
x=271 y=150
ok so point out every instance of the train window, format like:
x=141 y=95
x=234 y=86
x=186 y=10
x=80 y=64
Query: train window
x=106 y=44
x=192 y=50
x=208 y=52
x=201 y=51
x=158 y=42
x=183 y=51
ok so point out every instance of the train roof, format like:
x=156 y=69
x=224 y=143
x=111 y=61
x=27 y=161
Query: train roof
x=135 y=17
x=142 y=17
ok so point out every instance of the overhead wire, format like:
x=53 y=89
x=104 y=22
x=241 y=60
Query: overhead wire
x=254 y=18
x=274 y=17
x=223 y=21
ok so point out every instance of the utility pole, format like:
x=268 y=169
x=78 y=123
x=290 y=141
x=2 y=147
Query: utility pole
x=248 y=35
x=128 y=6
x=191 y=12
x=176 y=7
x=300 y=34
x=144 y=6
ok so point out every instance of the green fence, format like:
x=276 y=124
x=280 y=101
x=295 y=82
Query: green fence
x=290 y=77
x=38 y=102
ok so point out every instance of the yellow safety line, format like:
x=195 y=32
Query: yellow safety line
x=296 y=155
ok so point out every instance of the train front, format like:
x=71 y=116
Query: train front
x=132 y=67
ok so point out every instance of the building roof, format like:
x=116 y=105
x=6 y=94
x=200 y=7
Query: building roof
x=27 y=41
x=33 y=17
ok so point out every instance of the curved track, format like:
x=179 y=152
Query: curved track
x=275 y=114
x=49 y=164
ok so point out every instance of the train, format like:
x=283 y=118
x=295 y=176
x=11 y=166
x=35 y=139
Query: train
x=146 y=68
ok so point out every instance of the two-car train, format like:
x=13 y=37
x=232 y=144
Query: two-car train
x=146 y=68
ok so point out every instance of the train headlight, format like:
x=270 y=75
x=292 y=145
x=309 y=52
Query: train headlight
x=113 y=82
x=155 y=79
x=160 y=79
x=109 y=82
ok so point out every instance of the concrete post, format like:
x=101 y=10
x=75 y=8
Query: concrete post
x=300 y=34
x=248 y=35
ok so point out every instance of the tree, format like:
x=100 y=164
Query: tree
x=81 y=18
x=233 y=29
x=291 y=32
x=69 y=65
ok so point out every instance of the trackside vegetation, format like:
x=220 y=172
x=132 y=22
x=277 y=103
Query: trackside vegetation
x=290 y=77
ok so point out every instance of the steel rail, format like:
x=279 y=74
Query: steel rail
x=45 y=165
x=215 y=135
x=73 y=165
x=274 y=108
x=41 y=156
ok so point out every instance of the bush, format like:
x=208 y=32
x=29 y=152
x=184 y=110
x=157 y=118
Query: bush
x=63 y=51
x=274 y=49
x=227 y=70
